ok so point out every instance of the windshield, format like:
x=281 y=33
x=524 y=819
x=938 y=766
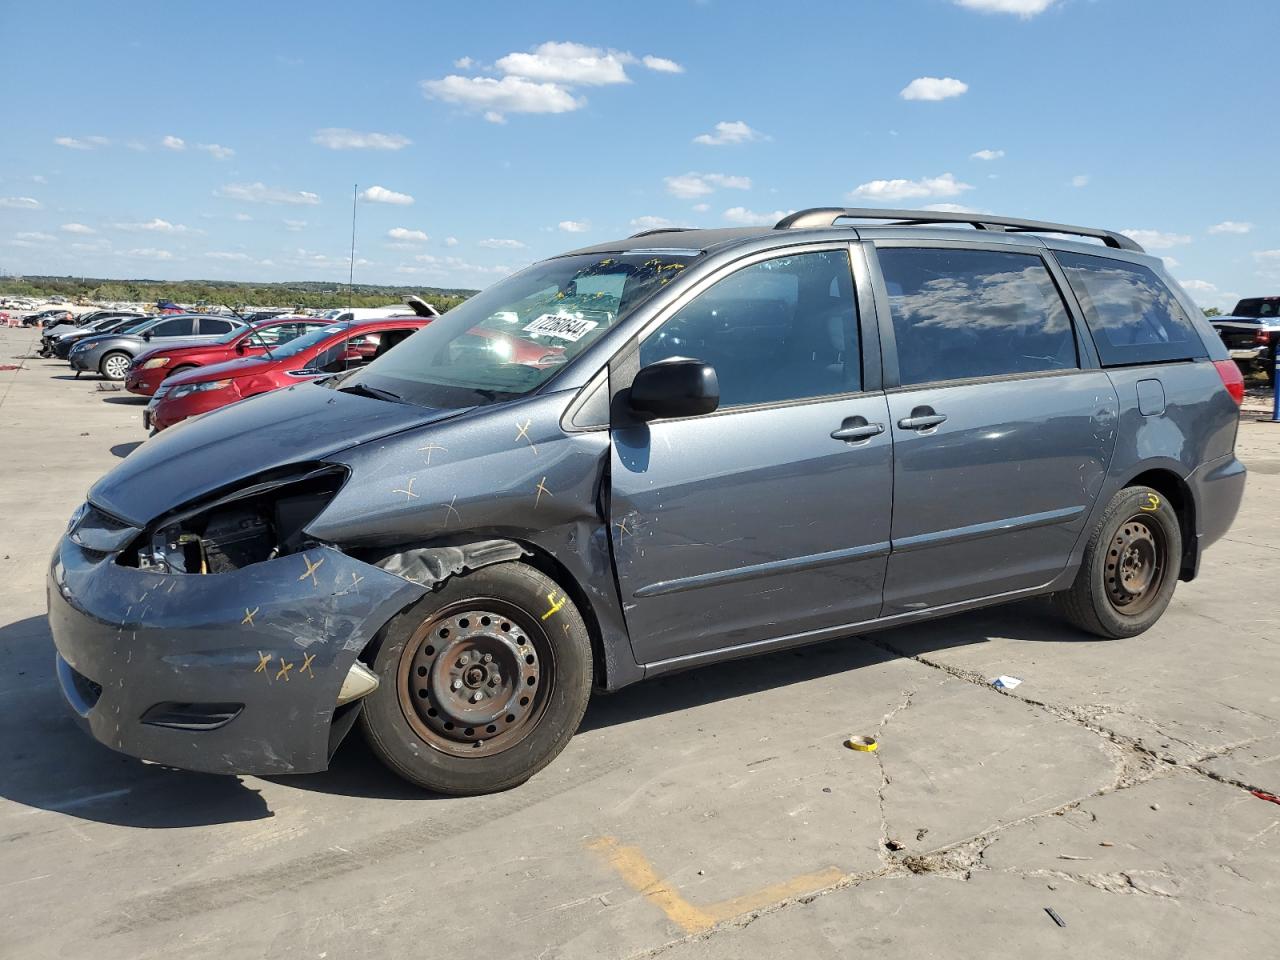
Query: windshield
x=508 y=340
x=299 y=344
x=1267 y=308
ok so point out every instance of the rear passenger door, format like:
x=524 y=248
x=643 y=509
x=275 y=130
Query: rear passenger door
x=1002 y=424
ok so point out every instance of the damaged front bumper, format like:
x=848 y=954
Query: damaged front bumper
x=237 y=673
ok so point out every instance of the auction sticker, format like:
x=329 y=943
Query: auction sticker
x=561 y=326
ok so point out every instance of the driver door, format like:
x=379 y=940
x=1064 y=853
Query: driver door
x=767 y=520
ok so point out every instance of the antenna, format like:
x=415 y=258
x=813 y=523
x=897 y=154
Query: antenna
x=351 y=271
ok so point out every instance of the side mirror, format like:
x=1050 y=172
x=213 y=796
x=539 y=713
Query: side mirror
x=147 y=336
x=675 y=387
x=242 y=347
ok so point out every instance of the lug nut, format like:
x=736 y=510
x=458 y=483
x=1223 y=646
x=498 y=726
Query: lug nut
x=476 y=697
x=464 y=659
x=493 y=681
x=488 y=658
x=456 y=685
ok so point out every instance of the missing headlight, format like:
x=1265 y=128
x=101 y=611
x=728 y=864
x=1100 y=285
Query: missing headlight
x=260 y=521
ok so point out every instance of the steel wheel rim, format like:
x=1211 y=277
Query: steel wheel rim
x=443 y=668
x=1137 y=564
x=116 y=367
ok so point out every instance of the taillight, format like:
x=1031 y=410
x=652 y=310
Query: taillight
x=1262 y=336
x=1231 y=379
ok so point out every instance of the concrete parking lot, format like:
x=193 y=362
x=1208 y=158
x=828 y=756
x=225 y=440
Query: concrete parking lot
x=710 y=814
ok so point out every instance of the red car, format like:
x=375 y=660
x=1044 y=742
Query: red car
x=149 y=369
x=329 y=349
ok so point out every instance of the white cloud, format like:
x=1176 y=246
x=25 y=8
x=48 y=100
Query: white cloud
x=260 y=193
x=173 y=143
x=498 y=243
x=567 y=63
x=933 y=88
x=216 y=150
x=226 y=255
x=652 y=223
x=148 y=253
x=295 y=225
x=339 y=138
x=76 y=228
x=20 y=203
x=574 y=226
x=749 y=218
x=376 y=194
x=155 y=225
x=889 y=190
x=405 y=235
x=687 y=186
x=1171 y=263
x=1080 y=180
x=242 y=217
x=1268 y=264
x=1231 y=226
x=81 y=143
x=661 y=64
x=1156 y=239
x=701 y=207
x=450 y=241
x=729 y=132
x=949 y=208
x=33 y=237
x=1199 y=286
x=499 y=97
x=464 y=63
x=987 y=155
x=1021 y=8
x=39 y=178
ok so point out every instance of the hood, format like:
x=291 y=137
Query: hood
x=298 y=424
x=239 y=367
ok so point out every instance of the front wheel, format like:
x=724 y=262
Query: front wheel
x=483 y=682
x=115 y=365
x=1129 y=569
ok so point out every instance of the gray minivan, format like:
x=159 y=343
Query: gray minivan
x=645 y=456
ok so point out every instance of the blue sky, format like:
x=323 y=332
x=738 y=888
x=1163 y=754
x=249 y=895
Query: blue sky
x=183 y=140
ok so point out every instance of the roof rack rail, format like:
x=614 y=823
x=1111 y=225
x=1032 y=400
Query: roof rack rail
x=649 y=233
x=827 y=216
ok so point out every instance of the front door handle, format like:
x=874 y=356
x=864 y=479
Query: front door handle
x=854 y=429
x=922 y=418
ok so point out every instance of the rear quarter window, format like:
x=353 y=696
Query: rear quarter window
x=1133 y=316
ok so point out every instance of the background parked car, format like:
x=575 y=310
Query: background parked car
x=60 y=344
x=59 y=314
x=153 y=366
x=330 y=349
x=1251 y=332
x=110 y=354
x=84 y=325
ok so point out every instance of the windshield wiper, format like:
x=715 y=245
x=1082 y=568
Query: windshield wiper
x=376 y=392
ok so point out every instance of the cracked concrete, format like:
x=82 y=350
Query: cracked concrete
x=1110 y=786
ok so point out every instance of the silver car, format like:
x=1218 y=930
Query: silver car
x=110 y=354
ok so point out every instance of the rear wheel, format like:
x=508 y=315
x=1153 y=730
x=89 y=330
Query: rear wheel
x=483 y=682
x=115 y=365
x=1130 y=567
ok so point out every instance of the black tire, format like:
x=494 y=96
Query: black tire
x=1119 y=590
x=537 y=644
x=109 y=365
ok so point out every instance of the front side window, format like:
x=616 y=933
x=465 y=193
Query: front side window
x=1133 y=316
x=783 y=329
x=180 y=327
x=959 y=314
x=510 y=339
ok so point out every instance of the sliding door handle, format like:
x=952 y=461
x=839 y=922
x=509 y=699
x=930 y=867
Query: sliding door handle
x=922 y=419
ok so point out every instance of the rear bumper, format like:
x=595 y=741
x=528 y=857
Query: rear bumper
x=229 y=673
x=1218 y=488
x=1249 y=353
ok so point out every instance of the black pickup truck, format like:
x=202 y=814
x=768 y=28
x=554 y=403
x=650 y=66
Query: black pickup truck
x=1251 y=332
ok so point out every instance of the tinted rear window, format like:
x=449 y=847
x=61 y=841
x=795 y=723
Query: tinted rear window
x=959 y=314
x=1132 y=315
x=1262 y=307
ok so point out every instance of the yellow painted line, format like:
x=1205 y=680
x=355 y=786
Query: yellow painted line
x=634 y=868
